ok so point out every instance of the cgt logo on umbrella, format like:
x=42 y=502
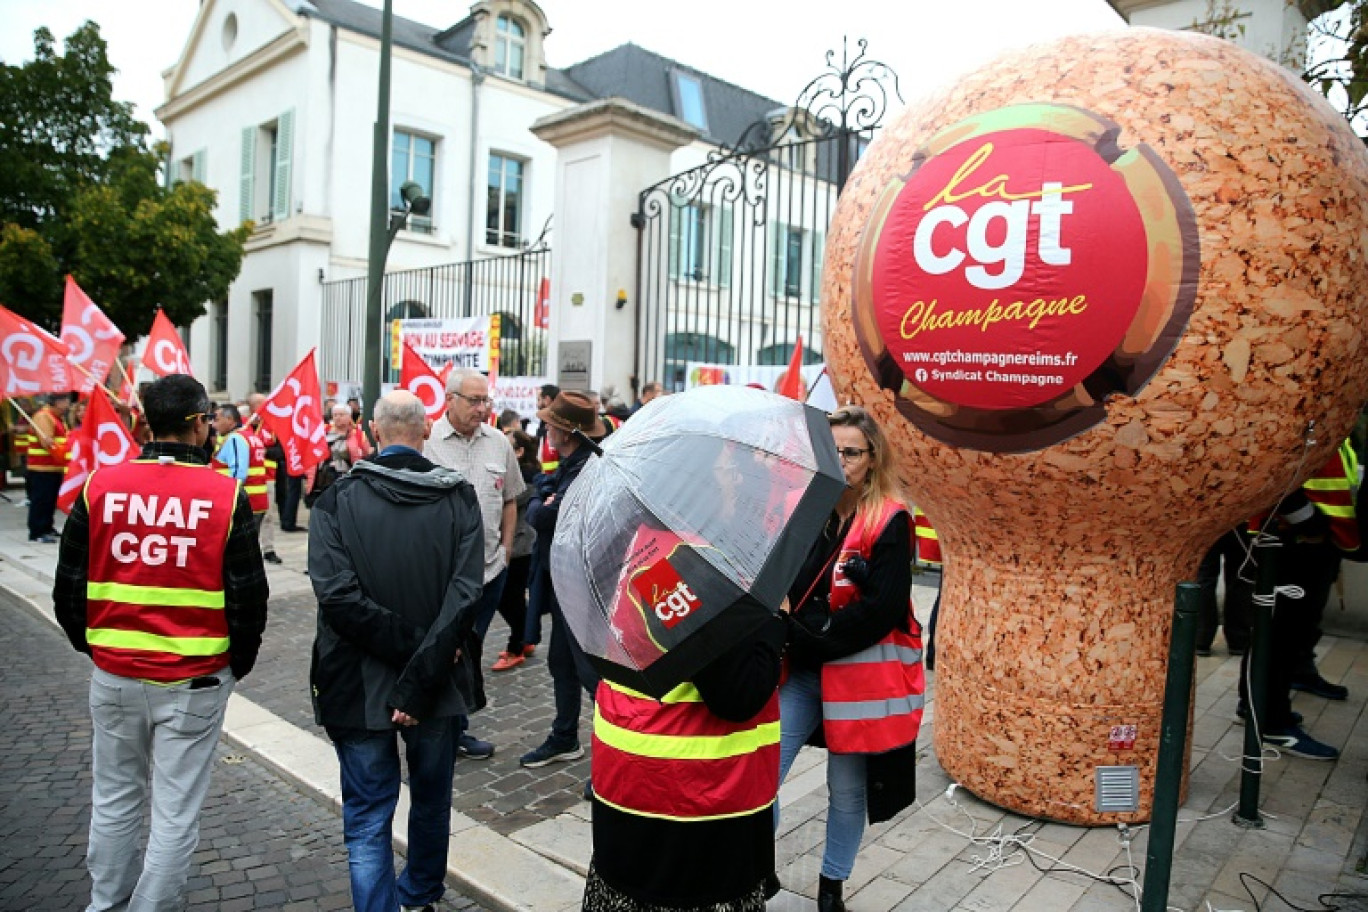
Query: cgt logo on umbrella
x=1026 y=268
x=663 y=590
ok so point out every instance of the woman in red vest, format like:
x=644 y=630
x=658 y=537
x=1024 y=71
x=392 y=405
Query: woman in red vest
x=854 y=650
x=684 y=785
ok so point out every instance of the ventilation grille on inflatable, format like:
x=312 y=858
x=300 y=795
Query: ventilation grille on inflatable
x=1118 y=789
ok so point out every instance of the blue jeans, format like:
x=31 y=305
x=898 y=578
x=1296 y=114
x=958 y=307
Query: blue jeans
x=489 y=603
x=800 y=712
x=370 y=791
x=484 y=616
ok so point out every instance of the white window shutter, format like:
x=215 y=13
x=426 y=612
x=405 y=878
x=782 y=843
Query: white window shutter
x=818 y=255
x=284 y=144
x=678 y=212
x=724 y=247
x=247 y=174
x=198 y=166
x=778 y=239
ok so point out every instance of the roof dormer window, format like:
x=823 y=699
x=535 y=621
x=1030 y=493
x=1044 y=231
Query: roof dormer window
x=510 y=44
x=688 y=99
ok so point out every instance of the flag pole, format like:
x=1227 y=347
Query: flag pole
x=129 y=380
x=98 y=384
x=20 y=409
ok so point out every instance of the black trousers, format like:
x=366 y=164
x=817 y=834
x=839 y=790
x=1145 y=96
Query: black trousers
x=289 y=489
x=1230 y=551
x=1296 y=625
x=43 y=490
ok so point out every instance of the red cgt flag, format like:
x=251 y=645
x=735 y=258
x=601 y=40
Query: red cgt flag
x=165 y=353
x=101 y=440
x=32 y=360
x=791 y=381
x=293 y=412
x=418 y=377
x=91 y=339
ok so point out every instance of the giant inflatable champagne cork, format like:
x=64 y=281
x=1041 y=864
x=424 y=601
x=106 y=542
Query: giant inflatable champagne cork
x=1097 y=293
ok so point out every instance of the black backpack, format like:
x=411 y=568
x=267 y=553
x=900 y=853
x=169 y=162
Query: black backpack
x=323 y=479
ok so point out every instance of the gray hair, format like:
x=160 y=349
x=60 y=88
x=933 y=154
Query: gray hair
x=459 y=376
x=401 y=417
x=341 y=408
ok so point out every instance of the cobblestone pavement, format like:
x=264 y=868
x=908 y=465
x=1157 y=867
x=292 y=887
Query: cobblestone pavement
x=497 y=792
x=263 y=845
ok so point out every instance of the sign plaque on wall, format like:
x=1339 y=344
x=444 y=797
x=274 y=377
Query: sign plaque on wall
x=572 y=364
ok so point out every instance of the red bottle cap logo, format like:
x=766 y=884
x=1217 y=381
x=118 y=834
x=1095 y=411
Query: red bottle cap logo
x=1025 y=268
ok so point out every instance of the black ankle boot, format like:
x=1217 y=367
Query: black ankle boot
x=829 y=895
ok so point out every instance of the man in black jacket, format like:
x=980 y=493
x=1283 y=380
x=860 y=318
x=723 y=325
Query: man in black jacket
x=396 y=557
x=570 y=418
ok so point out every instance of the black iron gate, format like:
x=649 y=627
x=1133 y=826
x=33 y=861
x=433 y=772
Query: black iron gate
x=508 y=286
x=729 y=259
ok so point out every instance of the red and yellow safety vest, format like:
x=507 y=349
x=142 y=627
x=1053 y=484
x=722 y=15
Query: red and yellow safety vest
x=872 y=700
x=1331 y=490
x=928 y=542
x=673 y=758
x=267 y=438
x=258 y=472
x=155 y=585
x=23 y=440
x=548 y=456
x=49 y=459
x=255 y=483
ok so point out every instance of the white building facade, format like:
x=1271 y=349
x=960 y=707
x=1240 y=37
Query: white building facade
x=272 y=104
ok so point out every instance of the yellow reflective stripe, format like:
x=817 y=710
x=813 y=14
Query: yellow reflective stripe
x=256 y=470
x=1326 y=484
x=1345 y=512
x=225 y=471
x=683 y=693
x=681 y=747
x=155 y=595
x=38 y=451
x=926 y=532
x=636 y=812
x=255 y=489
x=151 y=642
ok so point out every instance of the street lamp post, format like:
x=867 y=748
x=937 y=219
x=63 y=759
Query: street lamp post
x=380 y=233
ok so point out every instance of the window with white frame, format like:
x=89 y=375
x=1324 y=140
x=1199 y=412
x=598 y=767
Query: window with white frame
x=796 y=262
x=263 y=307
x=264 y=192
x=191 y=168
x=413 y=157
x=218 y=330
x=510 y=47
x=701 y=243
x=688 y=98
x=503 y=210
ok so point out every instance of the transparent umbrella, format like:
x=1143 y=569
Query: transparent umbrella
x=688 y=529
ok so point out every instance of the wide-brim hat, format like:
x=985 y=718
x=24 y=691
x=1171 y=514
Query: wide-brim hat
x=573 y=411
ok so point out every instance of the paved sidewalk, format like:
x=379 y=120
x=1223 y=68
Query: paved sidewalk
x=263 y=844
x=521 y=838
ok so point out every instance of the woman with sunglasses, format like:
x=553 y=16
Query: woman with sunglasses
x=855 y=680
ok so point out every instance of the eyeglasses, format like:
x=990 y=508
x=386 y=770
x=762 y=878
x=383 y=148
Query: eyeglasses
x=207 y=416
x=851 y=454
x=476 y=401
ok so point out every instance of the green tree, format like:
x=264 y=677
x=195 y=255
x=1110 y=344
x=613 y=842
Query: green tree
x=80 y=194
x=1338 y=60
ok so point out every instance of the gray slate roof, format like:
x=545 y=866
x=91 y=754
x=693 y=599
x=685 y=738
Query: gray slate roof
x=643 y=76
x=629 y=71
